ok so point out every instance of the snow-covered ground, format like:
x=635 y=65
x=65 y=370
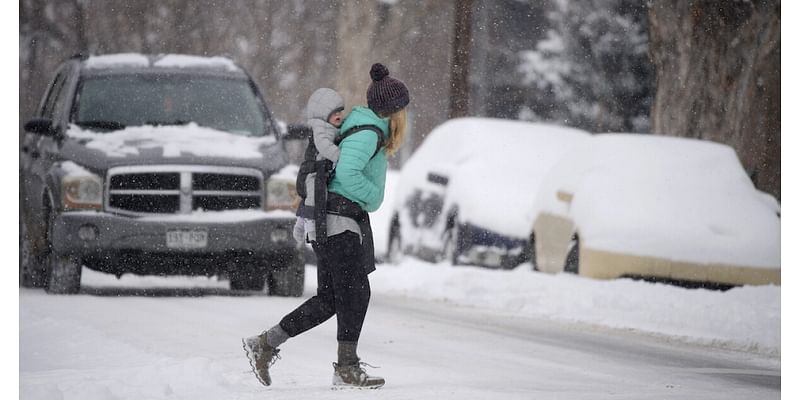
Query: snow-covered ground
x=111 y=343
x=743 y=318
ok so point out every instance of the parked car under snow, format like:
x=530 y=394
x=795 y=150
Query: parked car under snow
x=664 y=208
x=465 y=195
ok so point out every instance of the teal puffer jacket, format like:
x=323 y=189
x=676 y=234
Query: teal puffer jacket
x=359 y=177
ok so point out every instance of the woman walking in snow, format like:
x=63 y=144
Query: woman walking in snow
x=346 y=256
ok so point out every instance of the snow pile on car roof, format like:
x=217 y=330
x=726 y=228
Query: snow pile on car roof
x=160 y=61
x=186 y=61
x=117 y=60
x=494 y=168
x=675 y=198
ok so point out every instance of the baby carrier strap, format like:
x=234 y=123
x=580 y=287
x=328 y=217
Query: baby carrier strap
x=358 y=128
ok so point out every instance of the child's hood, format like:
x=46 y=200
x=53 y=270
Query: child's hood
x=322 y=102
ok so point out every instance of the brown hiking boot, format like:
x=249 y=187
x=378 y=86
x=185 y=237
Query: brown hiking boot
x=355 y=376
x=261 y=356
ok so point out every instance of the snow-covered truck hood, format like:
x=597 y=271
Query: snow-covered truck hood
x=184 y=145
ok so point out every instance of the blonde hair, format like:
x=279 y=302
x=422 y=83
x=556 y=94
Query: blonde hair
x=397 y=131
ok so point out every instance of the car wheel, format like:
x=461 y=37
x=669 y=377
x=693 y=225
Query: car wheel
x=572 y=263
x=31 y=273
x=532 y=252
x=451 y=251
x=64 y=274
x=288 y=280
x=395 y=248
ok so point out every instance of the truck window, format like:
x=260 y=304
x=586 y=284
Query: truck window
x=225 y=104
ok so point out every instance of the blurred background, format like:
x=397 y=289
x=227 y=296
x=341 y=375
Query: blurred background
x=702 y=68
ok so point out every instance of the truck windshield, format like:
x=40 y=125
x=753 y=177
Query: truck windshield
x=114 y=102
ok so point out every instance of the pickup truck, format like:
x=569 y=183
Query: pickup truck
x=156 y=165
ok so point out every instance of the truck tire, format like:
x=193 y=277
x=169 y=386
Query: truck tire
x=248 y=277
x=287 y=277
x=31 y=271
x=63 y=274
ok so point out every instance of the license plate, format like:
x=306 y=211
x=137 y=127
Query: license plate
x=187 y=239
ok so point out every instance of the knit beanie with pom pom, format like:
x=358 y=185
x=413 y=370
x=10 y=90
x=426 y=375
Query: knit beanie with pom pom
x=385 y=94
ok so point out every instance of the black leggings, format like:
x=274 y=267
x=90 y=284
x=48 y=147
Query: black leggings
x=342 y=289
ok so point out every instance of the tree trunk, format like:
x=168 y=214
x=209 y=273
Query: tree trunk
x=355 y=33
x=718 y=73
x=459 y=65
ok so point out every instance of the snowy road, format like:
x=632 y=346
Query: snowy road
x=114 y=343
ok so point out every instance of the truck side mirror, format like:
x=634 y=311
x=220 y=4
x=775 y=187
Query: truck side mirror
x=297 y=132
x=564 y=196
x=295 y=140
x=40 y=126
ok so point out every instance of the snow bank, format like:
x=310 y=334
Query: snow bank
x=174 y=140
x=744 y=318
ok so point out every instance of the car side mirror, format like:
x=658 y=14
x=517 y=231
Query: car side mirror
x=564 y=196
x=438 y=179
x=40 y=126
x=295 y=140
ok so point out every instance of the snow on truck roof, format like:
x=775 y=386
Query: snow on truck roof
x=136 y=60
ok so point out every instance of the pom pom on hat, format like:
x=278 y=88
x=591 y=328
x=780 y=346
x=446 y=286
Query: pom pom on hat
x=378 y=71
x=385 y=94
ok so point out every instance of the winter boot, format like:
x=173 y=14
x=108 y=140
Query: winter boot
x=261 y=356
x=355 y=376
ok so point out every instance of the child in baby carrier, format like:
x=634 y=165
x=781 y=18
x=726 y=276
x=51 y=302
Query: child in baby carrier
x=325 y=111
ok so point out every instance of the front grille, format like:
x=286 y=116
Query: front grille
x=217 y=203
x=146 y=181
x=151 y=190
x=151 y=204
x=225 y=182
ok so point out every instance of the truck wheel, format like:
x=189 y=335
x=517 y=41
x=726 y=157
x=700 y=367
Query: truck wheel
x=31 y=273
x=248 y=278
x=288 y=279
x=64 y=274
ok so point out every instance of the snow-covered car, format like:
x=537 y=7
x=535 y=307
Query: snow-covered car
x=156 y=164
x=465 y=194
x=655 y=207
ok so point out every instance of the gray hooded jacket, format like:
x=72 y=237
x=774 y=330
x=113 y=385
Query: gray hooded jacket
x=322 y=103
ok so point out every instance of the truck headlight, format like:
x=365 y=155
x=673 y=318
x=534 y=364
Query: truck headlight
x=82 y=192
x=281 y=194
